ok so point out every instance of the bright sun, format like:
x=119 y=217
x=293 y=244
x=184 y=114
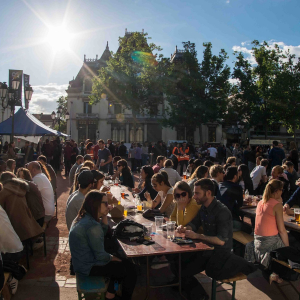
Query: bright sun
x=58 y=38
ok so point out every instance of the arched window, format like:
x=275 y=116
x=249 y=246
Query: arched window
x=139 y=135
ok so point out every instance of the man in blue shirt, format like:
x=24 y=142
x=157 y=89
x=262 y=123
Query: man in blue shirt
x=104 y=157
x=276 y=155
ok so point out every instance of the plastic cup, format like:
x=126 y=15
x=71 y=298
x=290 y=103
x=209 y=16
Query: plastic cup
x=159 y=222
x=171 y=230
x=125 y=212
x=123 y=195
x=184 y=175
x=148 y=229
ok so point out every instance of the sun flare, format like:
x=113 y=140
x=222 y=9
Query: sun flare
x=58 y=38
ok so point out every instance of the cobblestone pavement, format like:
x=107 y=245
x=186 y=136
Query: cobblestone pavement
x=48 y=277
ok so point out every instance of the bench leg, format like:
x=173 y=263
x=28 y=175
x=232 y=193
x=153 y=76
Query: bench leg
x=213 y=289
x=233 y=290
x=45 y=247
x=27 y=254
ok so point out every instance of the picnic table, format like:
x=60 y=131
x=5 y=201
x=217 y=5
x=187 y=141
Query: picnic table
x=251 y=212
x=162 y=245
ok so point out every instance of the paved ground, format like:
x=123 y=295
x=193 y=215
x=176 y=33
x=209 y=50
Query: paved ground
x=49 y=279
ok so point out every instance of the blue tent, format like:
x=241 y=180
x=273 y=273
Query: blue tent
x=26 y=124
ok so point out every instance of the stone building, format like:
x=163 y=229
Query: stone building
x=106 y=120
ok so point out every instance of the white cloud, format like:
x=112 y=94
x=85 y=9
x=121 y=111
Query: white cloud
x=228 y=1
x=44 y=97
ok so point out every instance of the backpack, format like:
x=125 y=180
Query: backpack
x=128 y=228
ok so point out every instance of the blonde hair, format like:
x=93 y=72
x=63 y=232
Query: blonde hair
x=230 y=160
x=279 y=169
x=89 y=164
x=273 y=186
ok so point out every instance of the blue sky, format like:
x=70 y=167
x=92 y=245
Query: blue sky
x=88 y=24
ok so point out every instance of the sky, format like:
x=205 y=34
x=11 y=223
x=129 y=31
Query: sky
x=48 y=39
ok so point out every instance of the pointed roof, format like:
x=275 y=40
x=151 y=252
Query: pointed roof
x=26 y=124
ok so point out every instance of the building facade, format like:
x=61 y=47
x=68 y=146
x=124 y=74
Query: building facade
x=107 y=120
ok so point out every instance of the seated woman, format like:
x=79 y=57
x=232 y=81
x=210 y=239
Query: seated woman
x=270 y=233
x=146 y=174
x=173 y=175
x=89 y=257
x=11 y=165
x=278 y=173
x=164 y=196
x=186 y=208
x=200 y=172
x=125 y=174
x=33 y=196
x=245 y=179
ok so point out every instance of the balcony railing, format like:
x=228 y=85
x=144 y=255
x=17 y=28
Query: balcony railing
x=87 y=116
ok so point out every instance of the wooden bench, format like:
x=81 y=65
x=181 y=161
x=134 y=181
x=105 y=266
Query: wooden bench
x=231 y=281
x=91 y=285
x=5 y=292
x=242 y=237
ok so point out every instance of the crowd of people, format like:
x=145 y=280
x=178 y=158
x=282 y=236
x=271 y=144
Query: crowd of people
x=207 y=193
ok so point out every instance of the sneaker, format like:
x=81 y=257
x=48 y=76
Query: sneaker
x=37 y=245
x=13 y=284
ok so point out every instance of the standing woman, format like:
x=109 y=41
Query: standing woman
x=124 y=173
x=245 y=179
x=270 y=232
x=86 y=241
x=164 y=196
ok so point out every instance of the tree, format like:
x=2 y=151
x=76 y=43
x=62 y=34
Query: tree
x=256 y=91
x=197 y=92
x=63 y=103
x=133 y=76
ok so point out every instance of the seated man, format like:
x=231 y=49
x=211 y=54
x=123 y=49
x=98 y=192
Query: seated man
x=216 y=220
x=294 y=200
x=217 y=175
x=259 y=176
x=159 y=164
x=79 y=161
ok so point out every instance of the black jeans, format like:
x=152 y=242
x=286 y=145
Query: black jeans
x=118 y=271
x=192 y=264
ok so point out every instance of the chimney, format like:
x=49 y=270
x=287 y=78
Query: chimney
x=96 y=56
x=84 y=58
x=142 y=30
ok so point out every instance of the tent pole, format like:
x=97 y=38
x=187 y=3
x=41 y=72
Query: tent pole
x=13 y=124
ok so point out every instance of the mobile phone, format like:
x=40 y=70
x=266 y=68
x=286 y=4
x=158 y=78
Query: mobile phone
x=180 y=240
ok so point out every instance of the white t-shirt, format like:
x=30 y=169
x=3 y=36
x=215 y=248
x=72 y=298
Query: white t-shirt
x=46 y=190
x=163 y=197
x=9 y=240
x=256 y=175
x=213 y=152
x=173 y=175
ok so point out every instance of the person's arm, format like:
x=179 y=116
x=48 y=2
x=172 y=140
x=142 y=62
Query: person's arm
x=186 y=216
x=167 y=202
x=97 y=163
x=278 y=210
x=195 y=223
x=155 y=202
x=208 y=239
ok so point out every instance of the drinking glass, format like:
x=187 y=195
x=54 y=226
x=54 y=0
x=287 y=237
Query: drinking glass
x=297 y=215
x=125 y=211
x=184 y=175
x=159 y=222
x=148 y=229
x=171 y=230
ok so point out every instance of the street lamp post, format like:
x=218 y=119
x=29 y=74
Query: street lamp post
x=8 y=97
x=57 y=117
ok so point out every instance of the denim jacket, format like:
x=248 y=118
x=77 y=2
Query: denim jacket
x=86 y=240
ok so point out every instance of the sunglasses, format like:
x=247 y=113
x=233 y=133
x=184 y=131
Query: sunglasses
x=177 y=196
x=105 y=203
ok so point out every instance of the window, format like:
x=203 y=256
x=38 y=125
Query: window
x=118 y=108
x=81 y=132
x=88 y=85
x=87 y=108
x=212 y=134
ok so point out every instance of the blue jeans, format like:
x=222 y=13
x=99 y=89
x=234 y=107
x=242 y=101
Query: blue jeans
x=144 y=159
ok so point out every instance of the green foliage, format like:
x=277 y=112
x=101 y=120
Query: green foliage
x=63 y=102
x=132 y=76
x=197 y=92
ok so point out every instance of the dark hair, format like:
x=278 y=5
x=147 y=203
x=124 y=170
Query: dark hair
x=208 y=163
x=75 y=183
x=168 y=163
x=117 y=158
x=124 y=164
x=230 y=173
x=101 y=141
x=90 y=205
x=9 y=163
x=87 y=157
x=97 y=175
x=161 y=176
x=260 y=158
x=191 y=161
x=43 y=158
x=159 y=158
x=264 y=162
x=7 y=176
x=230 y=160
x=149 y=172
x=198 y=162
x=288 y=164
x=26 y=173
x=79 y=157
x=89 y=145
x=199 y=172
x=275 y=143
x=246 y=177
x=182 y=185
x=206 y=185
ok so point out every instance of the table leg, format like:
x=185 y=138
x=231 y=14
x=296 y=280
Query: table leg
x=148 y=279
x=179 y=276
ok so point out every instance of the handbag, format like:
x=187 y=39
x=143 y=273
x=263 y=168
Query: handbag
x=127 y=229
x=151 y=213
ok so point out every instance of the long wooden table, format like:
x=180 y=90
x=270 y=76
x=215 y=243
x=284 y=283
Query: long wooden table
x=251 y=212
x=162 y=245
